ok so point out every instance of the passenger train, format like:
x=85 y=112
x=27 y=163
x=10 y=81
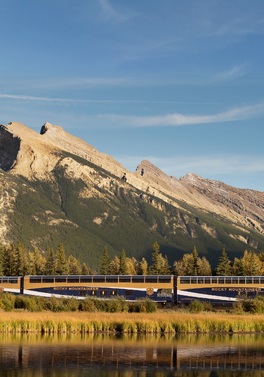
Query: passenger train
x=165 y=289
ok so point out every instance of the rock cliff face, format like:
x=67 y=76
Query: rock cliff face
x=9 y=147
x=67 y=186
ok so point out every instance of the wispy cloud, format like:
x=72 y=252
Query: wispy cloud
x=177 y=119
x=22 y=97
x=112 y=13
x=138 y=121
x=232 y=74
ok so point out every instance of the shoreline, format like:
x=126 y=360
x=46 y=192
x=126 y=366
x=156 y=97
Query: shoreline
x=129 y=323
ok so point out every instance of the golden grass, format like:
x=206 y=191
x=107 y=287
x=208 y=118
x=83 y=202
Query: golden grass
x=131 y=323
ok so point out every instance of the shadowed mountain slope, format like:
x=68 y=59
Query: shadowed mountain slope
x=57 y=188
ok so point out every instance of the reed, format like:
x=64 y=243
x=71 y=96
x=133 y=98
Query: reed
x=129 y=323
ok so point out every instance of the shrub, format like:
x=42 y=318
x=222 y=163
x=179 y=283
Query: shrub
x=196 y=306
x=7 y=302
x=87 y=305
x=117 y=305
x=254 y=306
x=143 y=306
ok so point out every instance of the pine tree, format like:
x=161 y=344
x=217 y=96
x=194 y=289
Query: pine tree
x=123 y=263
x=143 y=267
x=74 y=266
x=61 y=261
x=2 y=250
x=195 y=257
x=131 y=266
x=37 y=262
x=204 y=267
x=105 y=263
x=224 y=267
x=160 y=264
x=50 y=267
x=252 y=264
x=238 y=268
x=114 y=266
x=20 y=266
x=85 y=269
x=166 y=269
x=9 y=261
x=156 y=260
x=184 y=266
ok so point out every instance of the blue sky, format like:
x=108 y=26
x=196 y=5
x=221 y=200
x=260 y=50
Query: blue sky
x=177 y=82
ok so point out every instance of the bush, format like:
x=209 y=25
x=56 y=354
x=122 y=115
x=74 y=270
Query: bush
x=54 y=304
x=87 y=305
x=254 y=306
x=117 y=305
x=238 y=307
x=143 y=306
x=7 y=302
x=196 y=306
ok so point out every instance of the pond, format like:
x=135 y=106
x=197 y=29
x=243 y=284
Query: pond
x=131 y=356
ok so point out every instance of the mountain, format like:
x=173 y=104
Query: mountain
x=57 y=188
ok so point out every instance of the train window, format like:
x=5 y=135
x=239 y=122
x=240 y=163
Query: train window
x=235 y=279
x=60 y=279
x=35 y=279
x=249 y=280
x=221 y=280
x=256 y=279
x=151 y=279
x=124 y=279
x=228 y=279
x=207 y=280
x=194 y=280
x=112 y=279
x=200 y=280
x=138 y=279
x=242 y=280
x=86 y=279
x=103 y=293
x=13 y=280
x=73 y=279
x=164 y=279
x=99 y=278
x=113 y=292
x=129 y=292
x=261 y=279
x=214 y=280
x=184 y=279
x=48 y=279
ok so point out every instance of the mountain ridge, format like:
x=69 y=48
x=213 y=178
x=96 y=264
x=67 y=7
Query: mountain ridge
x=168 y=208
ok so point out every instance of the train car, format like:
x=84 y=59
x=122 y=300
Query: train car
x=218 y=289
x=11 y=284
x=159 y=288
x=165 y=289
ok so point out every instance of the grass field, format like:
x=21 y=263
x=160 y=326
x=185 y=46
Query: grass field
x=131 y=323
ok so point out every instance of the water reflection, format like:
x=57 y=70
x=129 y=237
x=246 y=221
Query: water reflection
x=130 y=356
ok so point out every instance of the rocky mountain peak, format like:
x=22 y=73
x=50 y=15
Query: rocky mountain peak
x=80 y=188
x=24 y=151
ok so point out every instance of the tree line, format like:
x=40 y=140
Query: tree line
x=16 y=260
x=191 y=264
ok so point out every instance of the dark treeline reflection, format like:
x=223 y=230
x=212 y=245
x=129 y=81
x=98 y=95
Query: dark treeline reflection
x=132 y=356
x=127 y=373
